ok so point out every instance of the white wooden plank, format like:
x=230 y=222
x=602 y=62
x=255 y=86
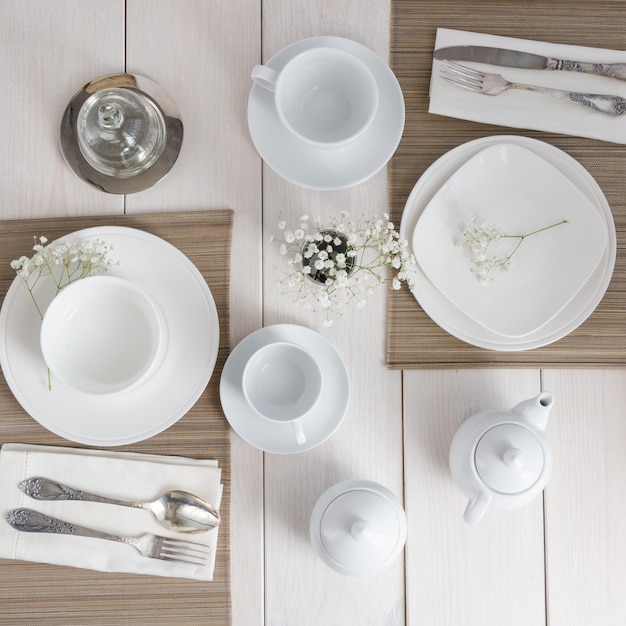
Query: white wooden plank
x=488 y=574
x=202 y=52
x=49 y=51
x=301 y=589
x=585 y=505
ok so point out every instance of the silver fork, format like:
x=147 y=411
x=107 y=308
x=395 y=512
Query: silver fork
x=494 y=84
x=152 y=546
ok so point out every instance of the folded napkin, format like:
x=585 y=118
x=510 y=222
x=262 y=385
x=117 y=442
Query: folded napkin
x=126 y=476
x=522 y=109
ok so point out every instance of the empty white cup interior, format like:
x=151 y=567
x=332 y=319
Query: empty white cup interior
x=282 y=382
x=325 y=96
x=101 y=334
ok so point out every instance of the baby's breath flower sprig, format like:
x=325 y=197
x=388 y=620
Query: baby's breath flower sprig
x=479 y=235
x=333 y=263
x=62 y=262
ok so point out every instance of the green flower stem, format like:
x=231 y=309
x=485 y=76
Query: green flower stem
x=521 y=238
x=30 y=288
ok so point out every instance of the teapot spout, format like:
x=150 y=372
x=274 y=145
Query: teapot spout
x=536 y=410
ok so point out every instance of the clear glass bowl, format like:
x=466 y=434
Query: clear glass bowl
x=121 y=133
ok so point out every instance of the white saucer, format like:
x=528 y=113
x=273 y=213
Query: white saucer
x=189 y=311
x=452 y=319
x=275 y=437
x=318 y=168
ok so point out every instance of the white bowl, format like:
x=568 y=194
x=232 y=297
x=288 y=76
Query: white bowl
x=101 y=335
x=282 y=381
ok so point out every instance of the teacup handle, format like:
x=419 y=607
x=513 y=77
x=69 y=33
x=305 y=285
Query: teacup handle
x=264 y=76
x=298 y=431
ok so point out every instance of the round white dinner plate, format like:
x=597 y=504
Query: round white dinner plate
x=319 y=424
x=190 y=315
x=452 y=319
x=320 y=168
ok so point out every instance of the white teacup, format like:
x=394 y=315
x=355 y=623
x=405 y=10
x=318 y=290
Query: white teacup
x=101 y=334
x=282 y=383
x=326 y=97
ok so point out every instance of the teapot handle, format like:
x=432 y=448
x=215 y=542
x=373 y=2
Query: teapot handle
x=476 y=508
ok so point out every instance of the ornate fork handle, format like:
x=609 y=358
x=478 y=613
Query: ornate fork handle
x=149 y=545
x=612 y=70
x=610 y=105
x=30 y=521
x=44 y=489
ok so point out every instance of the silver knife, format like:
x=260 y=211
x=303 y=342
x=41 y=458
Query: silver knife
x=527 y=60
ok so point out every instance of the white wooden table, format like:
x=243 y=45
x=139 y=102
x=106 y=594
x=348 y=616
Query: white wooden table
x=560 y=561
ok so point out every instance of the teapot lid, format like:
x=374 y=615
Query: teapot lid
x=358 y=527
x=509 y=458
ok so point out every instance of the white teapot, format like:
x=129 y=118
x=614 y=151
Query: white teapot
x=502 y=459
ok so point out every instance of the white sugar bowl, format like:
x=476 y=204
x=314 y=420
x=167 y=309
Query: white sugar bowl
x=358 y=527
x=502 y=459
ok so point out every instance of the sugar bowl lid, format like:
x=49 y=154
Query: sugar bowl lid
x=358 y=527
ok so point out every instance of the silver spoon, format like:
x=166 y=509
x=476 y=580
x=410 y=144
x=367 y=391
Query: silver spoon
x=175 y=510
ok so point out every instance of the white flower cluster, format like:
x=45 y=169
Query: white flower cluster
x=479 y=235
x=332 y=264
x=63 y=261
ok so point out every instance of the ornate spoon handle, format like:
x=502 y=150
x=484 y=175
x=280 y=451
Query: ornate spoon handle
x=41 y=488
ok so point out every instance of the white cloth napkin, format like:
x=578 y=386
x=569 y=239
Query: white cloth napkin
x=522 y=109
x=115 y=474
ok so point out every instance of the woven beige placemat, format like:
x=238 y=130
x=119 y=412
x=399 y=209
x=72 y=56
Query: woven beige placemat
x=32 y=593
x=414 y=341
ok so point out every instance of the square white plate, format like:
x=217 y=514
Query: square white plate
x=519 y=192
